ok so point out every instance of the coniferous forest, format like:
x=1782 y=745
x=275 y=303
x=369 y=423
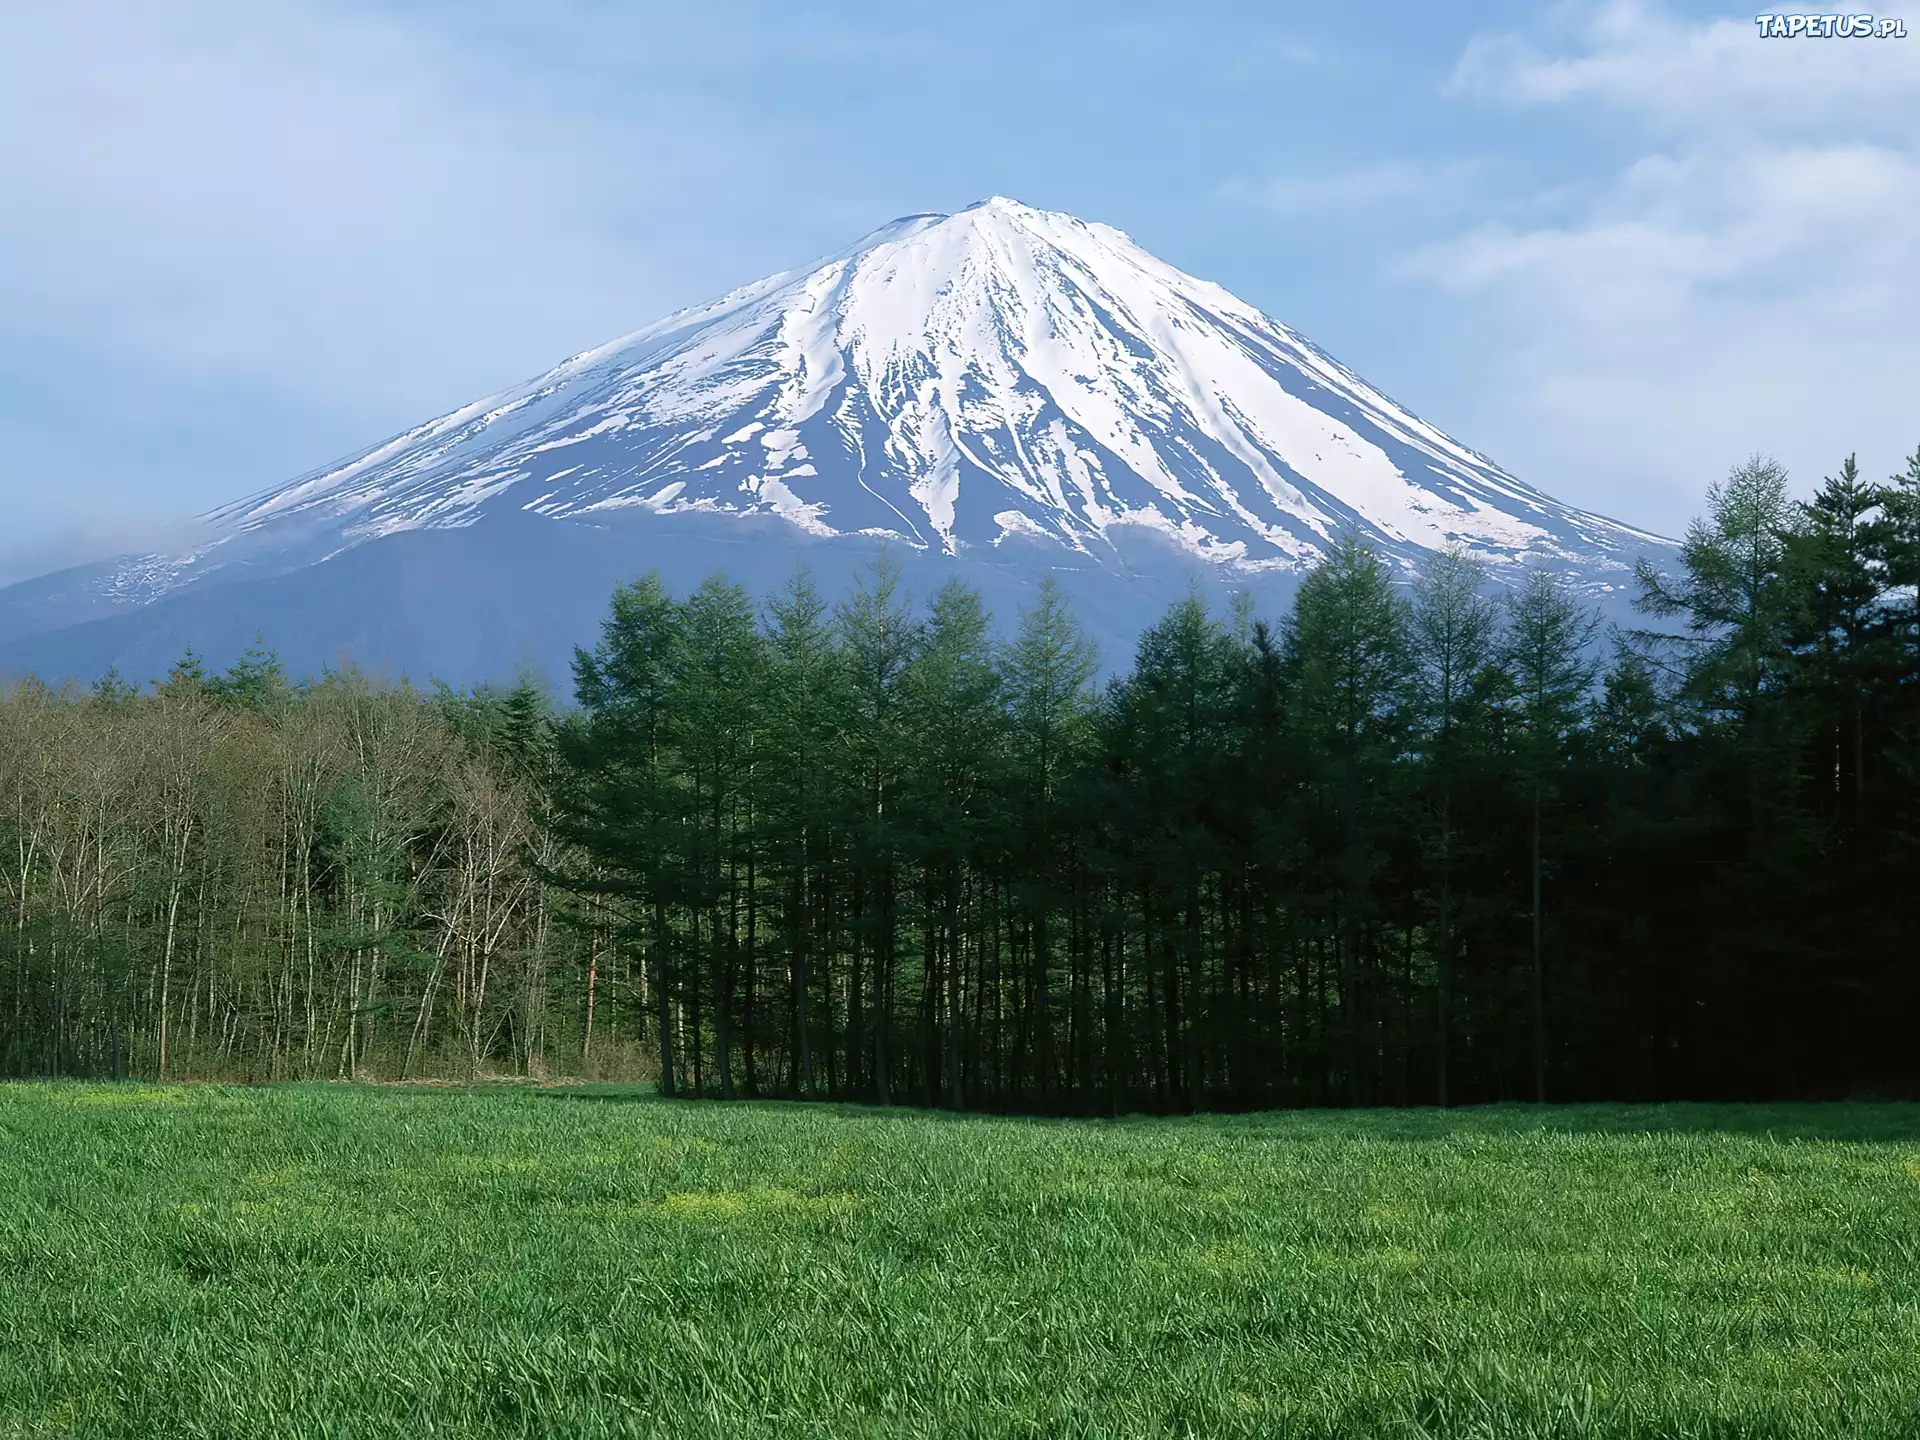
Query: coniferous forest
x=1438 y=842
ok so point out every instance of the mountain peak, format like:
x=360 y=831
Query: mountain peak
x=1004 y=205
x=954 y=382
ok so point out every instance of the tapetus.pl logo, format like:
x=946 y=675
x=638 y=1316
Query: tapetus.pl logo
x=1830 y=27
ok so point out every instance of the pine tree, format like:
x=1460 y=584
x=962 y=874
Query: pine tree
x=1047 y=671
x=1733 y=669
x=1547 y=655
x=113 y=692
x=878 y=855
x=1176 y=709
x=1894 y=550
x=1454 y=627
x=805 y=679
x=1834 y=595
x=188 y=675
x=956 y=729
x=1733 y=593
x=717 y=742
x=617 y=801
x=1349 y=671
x=256 y=681
x=1263 y=782
x=879 y=635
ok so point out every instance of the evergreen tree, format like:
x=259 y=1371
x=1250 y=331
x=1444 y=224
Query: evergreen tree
x=716 y=736
x=1349 y=667
x=113 y=692
x=617 y=801
x=1894 y=542
x=1733 y=594
x=875 y=854
x=806 y=682
x=188 y=675
x=879 y=635
x=1454 y=628
x=1547 y=656
x=1047 y=672
x=956 y=730
x=256 y=681
x=1733 y=669
x=1834 y=594
x=1175 y=744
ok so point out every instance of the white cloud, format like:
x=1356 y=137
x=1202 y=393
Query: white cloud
x=238 y=240
x=1721 y=75
x=1747 y=280
x=295 y=194
x=1675 y=229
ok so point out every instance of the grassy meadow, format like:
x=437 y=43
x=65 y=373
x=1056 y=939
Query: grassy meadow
x=575 y=1261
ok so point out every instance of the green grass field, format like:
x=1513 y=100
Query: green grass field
x=578 y=1262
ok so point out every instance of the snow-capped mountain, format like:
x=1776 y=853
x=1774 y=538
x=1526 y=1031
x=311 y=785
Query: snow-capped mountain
x=997 y=383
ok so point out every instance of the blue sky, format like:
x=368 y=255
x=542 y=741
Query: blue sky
x=1618 y=246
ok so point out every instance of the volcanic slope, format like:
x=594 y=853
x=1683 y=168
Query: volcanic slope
x=999 y=392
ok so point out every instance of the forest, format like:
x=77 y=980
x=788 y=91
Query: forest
x=1422 y=840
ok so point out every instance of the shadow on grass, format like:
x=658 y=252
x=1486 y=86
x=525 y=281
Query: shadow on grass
x=648 y=1094
x=644 y=1093
x=1876 y=1122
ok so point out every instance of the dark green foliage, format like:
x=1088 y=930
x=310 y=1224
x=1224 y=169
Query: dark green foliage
x=1550 y=672
x=1454 y=634
x=1407 y=849
x=256 y=681
x=1407 y=845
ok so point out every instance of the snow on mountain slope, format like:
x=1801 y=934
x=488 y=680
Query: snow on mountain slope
x=956 y=382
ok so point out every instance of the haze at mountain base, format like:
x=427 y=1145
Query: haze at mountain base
x=997 y=393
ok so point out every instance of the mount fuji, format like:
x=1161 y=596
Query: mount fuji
x=999 y=393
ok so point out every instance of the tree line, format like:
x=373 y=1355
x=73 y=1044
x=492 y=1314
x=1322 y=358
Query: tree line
x=1426 y=842
x=231 y=876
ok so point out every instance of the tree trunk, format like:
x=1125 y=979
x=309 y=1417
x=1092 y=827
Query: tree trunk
x=1539 y=978
x=1443 y=961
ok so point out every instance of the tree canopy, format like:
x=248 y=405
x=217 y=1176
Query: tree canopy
x=1421 y=839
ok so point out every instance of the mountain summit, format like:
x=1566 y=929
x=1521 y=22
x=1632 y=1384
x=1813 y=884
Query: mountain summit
x=1001 y=385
